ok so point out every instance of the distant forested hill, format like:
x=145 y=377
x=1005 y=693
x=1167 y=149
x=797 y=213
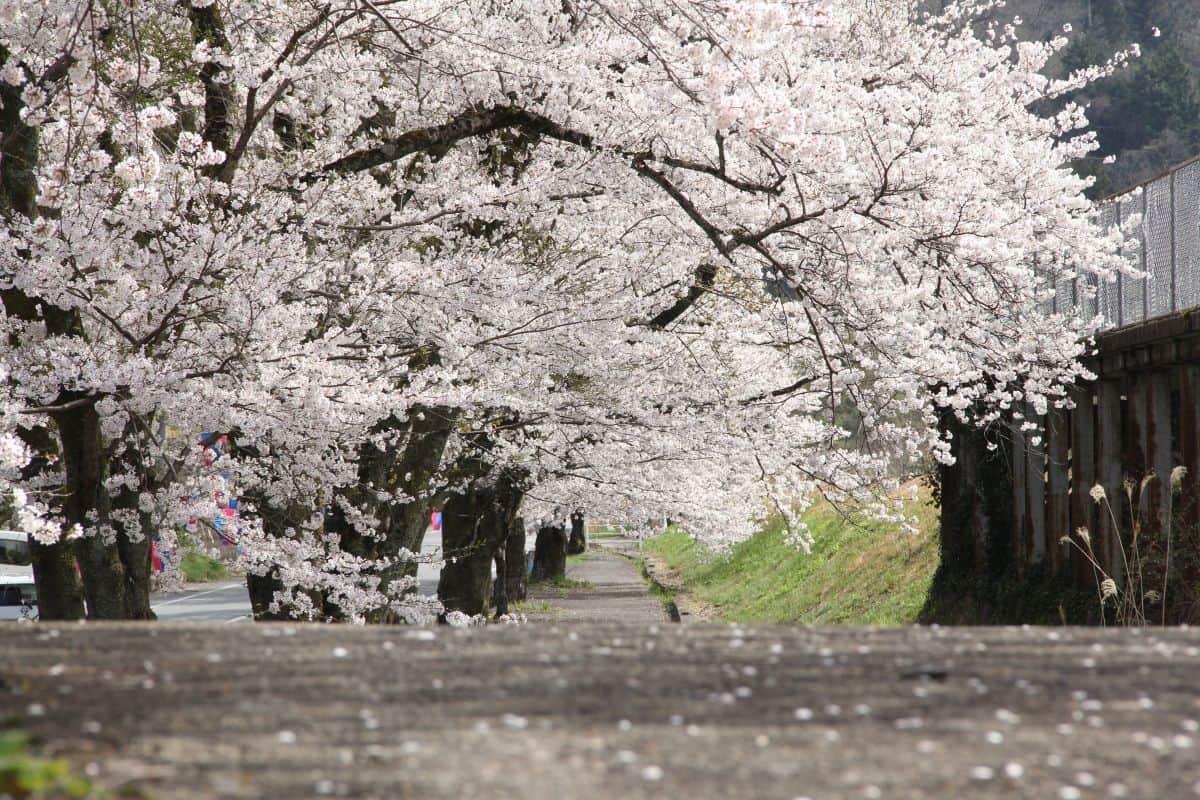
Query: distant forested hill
x=1148 y=115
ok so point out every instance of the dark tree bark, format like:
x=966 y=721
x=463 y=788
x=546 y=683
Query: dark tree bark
x=60 y=592
x=577 y=543
x=510 y=542
x=135 y=560
x=208 y=27
x=55 y=574
x=516 y=579
x=115 y=568
x=500 y=584
x=18 y=164
x=262 y=589
x=550 y=554
x=134 y=527
x=84 y=463
x=476 y=525
x=466 y=581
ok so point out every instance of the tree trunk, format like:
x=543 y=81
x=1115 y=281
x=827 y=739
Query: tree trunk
x=466 y=581
x=550 y=554
x=84 y=462
x=500 y=585
x=262 y=589
x=577 y=544
x=476 y=526
x=406 y=465
x=516 y=578
x=60 y=592
x=115 y=583
x=135 y=559
x=133 y=537
x=18 y=160
x=59 y=588
x=103 y=578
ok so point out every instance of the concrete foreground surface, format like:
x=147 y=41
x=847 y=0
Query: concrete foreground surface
x=611 y=711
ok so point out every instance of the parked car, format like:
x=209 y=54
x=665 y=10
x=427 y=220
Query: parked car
x=18 y=596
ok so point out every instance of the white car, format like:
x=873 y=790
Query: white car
x=18 y=597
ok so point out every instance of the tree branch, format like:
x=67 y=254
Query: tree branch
x=60 y=407
x=706 y=275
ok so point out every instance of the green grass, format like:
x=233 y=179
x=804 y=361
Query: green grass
x=535 y=607
x=860 y=571
x=23 y=775
x=199 y=568
x=563 y=582
x=660 y=593
x=606 y=533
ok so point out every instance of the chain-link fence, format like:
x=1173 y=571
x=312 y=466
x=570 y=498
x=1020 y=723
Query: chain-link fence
x=1165 y=246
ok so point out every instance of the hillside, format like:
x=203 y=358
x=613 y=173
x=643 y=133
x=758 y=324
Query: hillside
x=860 y=571
x=1148 y=116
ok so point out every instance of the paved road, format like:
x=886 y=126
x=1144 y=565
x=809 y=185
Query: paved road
x=226 y=601
x=221 y=601
x=615 y=592
x=429 y=572
x=554 y=711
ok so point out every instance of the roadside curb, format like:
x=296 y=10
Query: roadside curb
x=682 y=606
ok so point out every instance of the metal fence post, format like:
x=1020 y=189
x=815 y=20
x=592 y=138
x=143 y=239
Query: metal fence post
x=1174 y=247
x=1120 y=320
x=1145 y=246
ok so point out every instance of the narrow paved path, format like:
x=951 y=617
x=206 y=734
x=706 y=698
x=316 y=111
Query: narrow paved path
x=615 y=592
x=546 y=712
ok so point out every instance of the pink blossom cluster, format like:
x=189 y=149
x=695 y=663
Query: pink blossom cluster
x=718 y=259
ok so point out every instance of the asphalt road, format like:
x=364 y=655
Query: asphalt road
x=429 y=572
x=226 y=601
x=560 y=711
x=221 y=601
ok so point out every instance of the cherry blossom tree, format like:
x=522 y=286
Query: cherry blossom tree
x=706 y=258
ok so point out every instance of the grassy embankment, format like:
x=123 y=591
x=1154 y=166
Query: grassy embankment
x=860 y=571
x=197 y=567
